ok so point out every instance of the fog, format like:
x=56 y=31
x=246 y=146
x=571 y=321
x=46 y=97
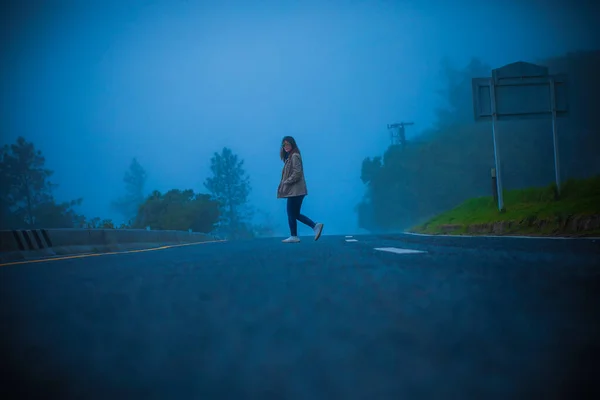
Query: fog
x=172 y=82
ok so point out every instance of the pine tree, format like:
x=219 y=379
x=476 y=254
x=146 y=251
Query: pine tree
x=24 y=181
x=135 y=181
x=230 y=186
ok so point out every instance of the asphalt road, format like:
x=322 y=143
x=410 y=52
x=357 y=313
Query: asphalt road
x=333 y=319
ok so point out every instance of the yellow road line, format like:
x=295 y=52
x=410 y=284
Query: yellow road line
x=57 y=258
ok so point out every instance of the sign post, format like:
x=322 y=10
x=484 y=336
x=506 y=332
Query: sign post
x=520 y=91
x=496 y=152
x=555 y=135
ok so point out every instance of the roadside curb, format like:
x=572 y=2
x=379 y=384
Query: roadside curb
x=507 y=236
x=22 y=245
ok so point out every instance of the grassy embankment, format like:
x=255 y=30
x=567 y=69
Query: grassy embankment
x=533 y=211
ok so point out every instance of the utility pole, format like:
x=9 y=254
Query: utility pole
x=400 y=136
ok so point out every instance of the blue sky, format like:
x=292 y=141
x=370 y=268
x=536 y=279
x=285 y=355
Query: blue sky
x=171 y=82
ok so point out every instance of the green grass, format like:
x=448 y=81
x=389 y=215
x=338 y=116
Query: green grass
x=530 y=211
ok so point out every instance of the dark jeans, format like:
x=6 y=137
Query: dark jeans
x=294 y=204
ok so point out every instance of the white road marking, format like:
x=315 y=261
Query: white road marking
x=351 y=240
x=399 y=251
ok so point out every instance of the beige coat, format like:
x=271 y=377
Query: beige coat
x=292 y=178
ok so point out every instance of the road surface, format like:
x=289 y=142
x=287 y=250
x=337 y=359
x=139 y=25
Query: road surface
x=366 y=317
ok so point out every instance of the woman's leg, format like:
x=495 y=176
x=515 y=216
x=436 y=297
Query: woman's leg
x=317 y=227
x=303 y=218
x=293 y=210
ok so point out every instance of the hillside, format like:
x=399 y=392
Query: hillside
x=533 y=211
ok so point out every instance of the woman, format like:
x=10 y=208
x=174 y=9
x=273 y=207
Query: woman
x=293 y=187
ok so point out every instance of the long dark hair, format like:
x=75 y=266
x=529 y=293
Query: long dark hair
x=282 y=154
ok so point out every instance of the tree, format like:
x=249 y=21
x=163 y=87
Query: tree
x=135 y=181
x=24 y=181
x=107 y=224
x=579 y=152
x=26 y=199
x=178 y=210
x=230 y=186
x=94 y=223
x=370 y=168
x=52 y=215
x=456 y=92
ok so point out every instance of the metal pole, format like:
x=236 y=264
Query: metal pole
x=496 y=151
x=494 y=186
x=555 y=136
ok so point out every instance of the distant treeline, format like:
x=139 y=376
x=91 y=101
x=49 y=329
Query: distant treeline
x=453 y=161
x=27 y=200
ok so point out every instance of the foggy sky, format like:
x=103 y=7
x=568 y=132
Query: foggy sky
x=172 y=82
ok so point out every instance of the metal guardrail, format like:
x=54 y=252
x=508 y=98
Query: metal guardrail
x=24 y=240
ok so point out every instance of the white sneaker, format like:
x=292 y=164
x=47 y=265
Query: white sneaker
x=318 y=229
x=291 y=239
